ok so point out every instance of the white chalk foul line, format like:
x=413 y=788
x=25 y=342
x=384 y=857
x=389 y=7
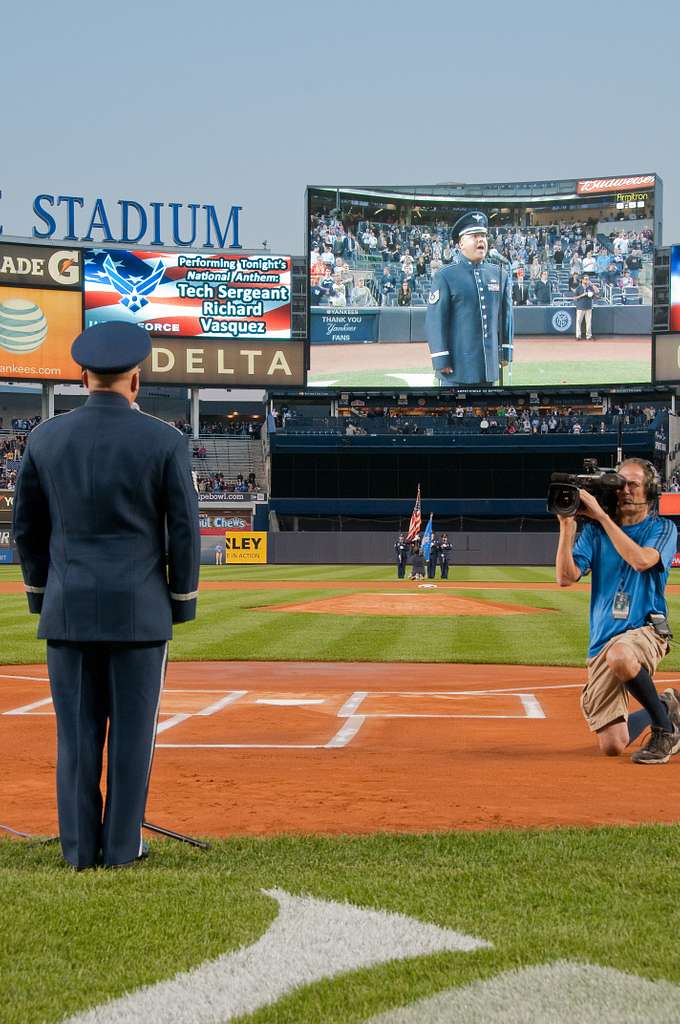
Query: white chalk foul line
x=239 y=746
x=31 y=679
x=352 y=703
x=532 y=705
x=224 y=702
x=210 y=709
x=353 y=723
x=170 y=723
x=311 y=939
x=27 y=708
x=346 y=733
x=289 y=702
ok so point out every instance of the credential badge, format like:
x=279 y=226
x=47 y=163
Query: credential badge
x=433 y=297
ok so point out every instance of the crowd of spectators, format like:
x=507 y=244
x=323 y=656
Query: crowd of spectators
x=674 y=482
x=487 y=419
x=229 y=426
x=226 y=426
x=25 y=425
x=217 y=483
x=403 y=259
x=12 y=449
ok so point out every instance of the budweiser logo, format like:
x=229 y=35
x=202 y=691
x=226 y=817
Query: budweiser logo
x=614 y=184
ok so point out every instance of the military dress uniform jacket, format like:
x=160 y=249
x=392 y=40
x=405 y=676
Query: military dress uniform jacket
x=469 y=322
x=97 y=490
x=401 y=551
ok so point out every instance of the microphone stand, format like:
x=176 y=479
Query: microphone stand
x=179 y=836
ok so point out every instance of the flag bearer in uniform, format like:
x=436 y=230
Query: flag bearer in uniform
x=445 y=549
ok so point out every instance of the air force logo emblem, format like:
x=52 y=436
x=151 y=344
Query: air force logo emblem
x=433 y=297
x=133 y=289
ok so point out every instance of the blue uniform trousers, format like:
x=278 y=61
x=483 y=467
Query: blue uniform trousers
x=94 y=685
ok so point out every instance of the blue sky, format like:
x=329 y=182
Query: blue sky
x=246 y=104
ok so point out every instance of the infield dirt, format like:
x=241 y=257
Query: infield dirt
x=439 y=747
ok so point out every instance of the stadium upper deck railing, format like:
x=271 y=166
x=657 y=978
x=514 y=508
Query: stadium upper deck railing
x=431 y=425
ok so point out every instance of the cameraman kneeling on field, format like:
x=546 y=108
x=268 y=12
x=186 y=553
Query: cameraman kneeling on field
x=630 y=557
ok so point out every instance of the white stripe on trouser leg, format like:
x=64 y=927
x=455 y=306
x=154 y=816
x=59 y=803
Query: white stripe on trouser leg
x=153 y=743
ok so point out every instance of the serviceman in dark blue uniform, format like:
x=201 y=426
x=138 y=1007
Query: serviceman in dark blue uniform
x=468 y=323
x=401 y=550
x=433 y=558
x=98 y=490
x=445 y=549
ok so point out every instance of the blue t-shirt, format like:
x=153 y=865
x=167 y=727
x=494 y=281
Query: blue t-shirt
x=593 y=551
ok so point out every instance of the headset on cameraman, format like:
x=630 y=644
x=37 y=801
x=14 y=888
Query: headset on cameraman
x=652 y=477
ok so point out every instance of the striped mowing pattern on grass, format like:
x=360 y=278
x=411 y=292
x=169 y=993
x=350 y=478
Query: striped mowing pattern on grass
x=231 y=627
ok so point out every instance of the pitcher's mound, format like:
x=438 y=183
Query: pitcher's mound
x=408 y=603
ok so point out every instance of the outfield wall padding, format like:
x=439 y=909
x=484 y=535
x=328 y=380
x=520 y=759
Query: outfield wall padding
x=358 y=548
x=333 y=325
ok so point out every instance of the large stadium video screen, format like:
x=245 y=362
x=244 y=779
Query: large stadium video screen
x=190 y=294
x=406 y=290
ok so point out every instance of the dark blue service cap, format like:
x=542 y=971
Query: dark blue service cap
x=469 y=222
x=111 y=347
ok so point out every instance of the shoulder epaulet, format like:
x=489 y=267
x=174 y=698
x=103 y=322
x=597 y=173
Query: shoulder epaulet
x=165 y=423
x=51 y=419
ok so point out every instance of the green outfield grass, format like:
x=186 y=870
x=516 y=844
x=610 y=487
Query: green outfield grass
x=232 y=626
x=604 y=896
x=625 y=371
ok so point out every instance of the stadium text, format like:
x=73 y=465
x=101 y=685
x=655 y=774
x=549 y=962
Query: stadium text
x=188 y=224
x=163 y=360
x=614 y=184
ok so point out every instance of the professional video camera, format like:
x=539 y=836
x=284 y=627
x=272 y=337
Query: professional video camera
x=603 y=484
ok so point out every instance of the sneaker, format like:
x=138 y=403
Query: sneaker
x=671 y=699
x=658 y=748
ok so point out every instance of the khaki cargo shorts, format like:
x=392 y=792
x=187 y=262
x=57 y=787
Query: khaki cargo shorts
x=604 y=699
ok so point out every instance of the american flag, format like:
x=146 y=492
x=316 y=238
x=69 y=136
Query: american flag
x=416 y=519
x=140 y=287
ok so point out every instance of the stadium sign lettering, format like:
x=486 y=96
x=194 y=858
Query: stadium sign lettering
x=628 y=197
x=190 y=224
x=228 y=497
x=591 y=185
x=40 y=266
x=6 y=505
x=205 y=362
x=163 y=360
x=243 y=543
